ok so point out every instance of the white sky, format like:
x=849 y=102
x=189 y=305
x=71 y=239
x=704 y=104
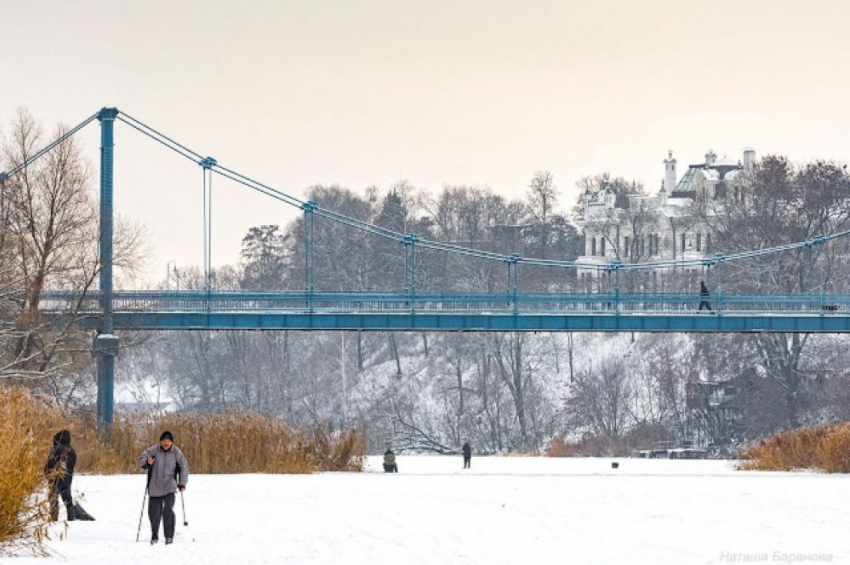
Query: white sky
x=439 y=91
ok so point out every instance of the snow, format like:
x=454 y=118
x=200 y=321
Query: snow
x=505 y=510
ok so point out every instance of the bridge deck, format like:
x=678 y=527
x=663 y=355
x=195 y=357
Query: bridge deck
x=376 y=311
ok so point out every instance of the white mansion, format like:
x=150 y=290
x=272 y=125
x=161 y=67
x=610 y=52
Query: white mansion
x=638 y=228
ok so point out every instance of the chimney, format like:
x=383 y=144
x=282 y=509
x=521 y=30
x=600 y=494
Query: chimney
x=669 y=172
x=749 y=158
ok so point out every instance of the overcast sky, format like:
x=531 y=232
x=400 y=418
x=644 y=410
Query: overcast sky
x=440 y=91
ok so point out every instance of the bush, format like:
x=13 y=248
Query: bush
x=234 y=442
x=823 y=448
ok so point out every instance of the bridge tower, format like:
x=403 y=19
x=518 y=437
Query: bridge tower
x=106 y=342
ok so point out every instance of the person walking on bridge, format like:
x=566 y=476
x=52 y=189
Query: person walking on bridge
x=168 y=471
x=703 y=295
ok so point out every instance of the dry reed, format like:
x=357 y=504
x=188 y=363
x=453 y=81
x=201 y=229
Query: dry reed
x=822 y=448
x=26 y=426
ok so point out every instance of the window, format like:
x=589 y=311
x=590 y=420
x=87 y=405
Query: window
x=699 y=242
x=593 y=246
x=602 y=242
x=683 y=242
x=707 y=242
x=626 y=247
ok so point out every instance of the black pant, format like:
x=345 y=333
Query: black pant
x=390 y=468
x=467 y=461
x=61 y=489
x=162 y=507
x=704 y=304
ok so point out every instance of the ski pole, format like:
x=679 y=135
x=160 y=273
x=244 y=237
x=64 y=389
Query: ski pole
x=183 y=501
x=141 y=514
x=147 y=486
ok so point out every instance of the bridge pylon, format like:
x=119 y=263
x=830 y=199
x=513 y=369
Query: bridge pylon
x=106 y=342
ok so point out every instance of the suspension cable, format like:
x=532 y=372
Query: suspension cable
x=43 y=151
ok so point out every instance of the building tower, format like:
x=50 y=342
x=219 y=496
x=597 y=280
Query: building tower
x=669 y=173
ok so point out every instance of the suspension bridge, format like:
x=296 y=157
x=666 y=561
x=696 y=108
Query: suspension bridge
x=408 y=309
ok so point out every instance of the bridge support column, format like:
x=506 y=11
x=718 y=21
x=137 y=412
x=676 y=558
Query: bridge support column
x=718 y=258
x=409 y=242
x=309 y=208
x=106 y=343
x=616 y=266
x=207 y=163
x=515 y=259
x=820 y=241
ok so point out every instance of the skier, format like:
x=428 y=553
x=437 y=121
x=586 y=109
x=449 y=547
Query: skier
x=390 y=466
x=467 y=456
x=703 y=295
x=59 y=472
x=167 y=471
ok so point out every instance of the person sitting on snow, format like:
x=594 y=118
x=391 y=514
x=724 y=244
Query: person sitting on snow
x=390 y=466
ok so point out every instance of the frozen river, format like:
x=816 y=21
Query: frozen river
x=505 y=510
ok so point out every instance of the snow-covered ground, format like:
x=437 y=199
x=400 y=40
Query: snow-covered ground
x=504 y=510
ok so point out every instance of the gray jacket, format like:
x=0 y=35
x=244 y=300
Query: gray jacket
x=162 y=479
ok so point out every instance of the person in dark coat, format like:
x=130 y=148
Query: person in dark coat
x=467 y=456
x=390 y=466
x=59 y=471
x=703 y=295
x=168 y=471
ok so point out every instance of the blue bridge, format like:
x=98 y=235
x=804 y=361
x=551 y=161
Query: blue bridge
x=376 y=311
x=410 y=309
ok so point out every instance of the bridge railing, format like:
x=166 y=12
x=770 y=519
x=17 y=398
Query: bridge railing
x=450 y=303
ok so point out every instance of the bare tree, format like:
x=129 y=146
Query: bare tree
x=600 y=399
x=50 y=241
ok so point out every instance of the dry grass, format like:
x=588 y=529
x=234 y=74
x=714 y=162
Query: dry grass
x=560 y=448
x=235 y=442
x=823 y=448
x=640 y=436
x=26 y=426
x=590 y=446
x=240 y=442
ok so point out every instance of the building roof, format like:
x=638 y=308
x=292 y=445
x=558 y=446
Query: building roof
x=686 y=183
x=720 y=169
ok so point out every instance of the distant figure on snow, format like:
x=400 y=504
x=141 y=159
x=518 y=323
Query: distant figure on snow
x=59 y=472
x=390 y=466
x=467 y=455
x=703 y=295
x=167 y=471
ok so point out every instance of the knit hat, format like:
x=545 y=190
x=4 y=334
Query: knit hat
x=166 y=435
